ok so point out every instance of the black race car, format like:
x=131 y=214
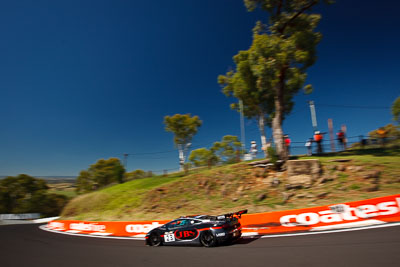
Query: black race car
x=206 y=230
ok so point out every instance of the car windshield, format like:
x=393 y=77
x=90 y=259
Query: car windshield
x=178 y=223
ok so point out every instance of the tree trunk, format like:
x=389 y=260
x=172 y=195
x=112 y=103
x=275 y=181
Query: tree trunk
x=183 y=150
x=261 y=126
x=181 y=157
x=278 y=118
x=277 y=130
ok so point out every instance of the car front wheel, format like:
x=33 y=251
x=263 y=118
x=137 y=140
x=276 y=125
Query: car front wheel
x=154 y=240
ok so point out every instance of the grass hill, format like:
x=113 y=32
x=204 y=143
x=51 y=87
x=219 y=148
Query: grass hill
x=347 y=176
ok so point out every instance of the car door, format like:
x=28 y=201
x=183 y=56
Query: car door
x=180 y=231
x=187 y=233
x=169 y=236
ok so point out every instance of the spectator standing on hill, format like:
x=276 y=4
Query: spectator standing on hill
x=309 y=146
x=342 y=139
x=318 y=137
x=253 y=149
x=287 y=144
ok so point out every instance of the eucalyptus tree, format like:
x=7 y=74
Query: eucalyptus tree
x=279 y=56
x=243 y=84
x=102 y=173
x=26 y=194
x=184 y=127
x=228 y=149
x=203 y=157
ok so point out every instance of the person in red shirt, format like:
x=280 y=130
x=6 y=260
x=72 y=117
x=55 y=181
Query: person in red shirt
x=318 y=139
x=341 y=138
x=287 y=144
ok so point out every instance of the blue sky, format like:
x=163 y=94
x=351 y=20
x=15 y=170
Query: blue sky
x=84 y=80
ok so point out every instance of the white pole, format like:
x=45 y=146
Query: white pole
x=242 y=131
x=313 y=115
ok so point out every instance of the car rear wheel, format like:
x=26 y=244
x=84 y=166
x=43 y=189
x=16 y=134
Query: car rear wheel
x=155 y=240
x=207 y=239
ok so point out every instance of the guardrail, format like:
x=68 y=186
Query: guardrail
x=21 y=216
x=343 y=215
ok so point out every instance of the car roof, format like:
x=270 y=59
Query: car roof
x=198 y=217
x=203 y=217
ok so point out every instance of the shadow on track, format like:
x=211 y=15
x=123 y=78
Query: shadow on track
x=242 y=241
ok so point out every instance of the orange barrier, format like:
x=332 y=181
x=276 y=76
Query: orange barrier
x=351 y=214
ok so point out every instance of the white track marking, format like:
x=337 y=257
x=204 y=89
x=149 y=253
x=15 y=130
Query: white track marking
x=335 y=231
x=43 y=227
x=250 y=234
x=347 y=225
x=140 y=235
x=44 y=220
x=102 y=234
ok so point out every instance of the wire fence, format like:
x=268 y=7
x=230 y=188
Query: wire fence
x=296 y=148
x=299 y=148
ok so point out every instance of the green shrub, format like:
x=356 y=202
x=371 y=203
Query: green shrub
x=354 y=187
x=272 y=155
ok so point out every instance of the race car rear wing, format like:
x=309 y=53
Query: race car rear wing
x=231 y=215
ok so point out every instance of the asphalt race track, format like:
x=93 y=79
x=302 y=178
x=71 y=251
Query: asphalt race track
x=27 y=245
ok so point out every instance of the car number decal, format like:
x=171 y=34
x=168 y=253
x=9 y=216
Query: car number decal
x=169 y=237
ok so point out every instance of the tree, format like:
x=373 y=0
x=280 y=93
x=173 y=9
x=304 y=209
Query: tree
x=280 y=54
x=85 y=182
x=102 y=173
x=184 y=127
x=26 y=194
x=396 y=110
x=227 y=150
x=17 y=192
x=53 y=204
x=390 y=129
x=203 y=157
x=256 y=98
